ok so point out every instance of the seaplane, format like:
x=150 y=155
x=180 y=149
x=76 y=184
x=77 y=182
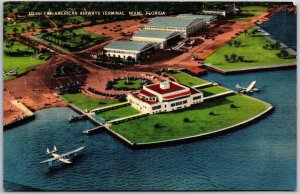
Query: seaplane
x=64 y=158
x=250 y=88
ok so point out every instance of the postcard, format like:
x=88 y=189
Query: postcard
x=149 y=96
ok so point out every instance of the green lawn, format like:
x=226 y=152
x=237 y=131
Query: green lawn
x=85 y=102
x=16 y=46
x=171 y=125
x=118 y=113
x=61 y=20
x=246 y=12
x=254 y=8
x=208 y=91
x=72 y=40
x=23 y=63
x=251 y=49
x=133 y=84
x=188 y=80
x=8 y=27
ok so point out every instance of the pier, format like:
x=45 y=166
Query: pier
x=77 y=118
x=93 y=130
x=219 y=95
x=205 y=85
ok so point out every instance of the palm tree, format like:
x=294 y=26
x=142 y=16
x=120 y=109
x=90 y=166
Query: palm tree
x=233 y=57
x=241 y=58
x=15 y=30
x=33 y=26
x=226 y=58
x=277 y=45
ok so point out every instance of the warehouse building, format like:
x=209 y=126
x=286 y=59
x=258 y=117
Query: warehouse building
x=125 y=49
x=209 y=19
x=162 y=38
x=164 y=97
x=185 y=26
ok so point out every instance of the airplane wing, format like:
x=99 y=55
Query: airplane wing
x=48 y=160
x=250 y=86
x=71 y=152
x=64 y=160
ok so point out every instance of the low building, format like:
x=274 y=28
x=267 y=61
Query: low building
x=125 y=49
x=209 y=19
x=160 y=37
x=164 y=97
x=223 y=11
x=185 y=26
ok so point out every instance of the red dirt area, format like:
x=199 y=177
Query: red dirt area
x=35 y=90
x=114 y=29
x=10 y=112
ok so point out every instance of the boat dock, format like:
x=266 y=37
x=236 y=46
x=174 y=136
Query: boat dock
x=77 y=118
x=219 y=95
x=205 y=85
x=93 y=130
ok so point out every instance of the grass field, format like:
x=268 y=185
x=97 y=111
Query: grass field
x=23 y=63
x=118 y=113
x=72 y=40
x=171 y=125
x=208 y=91
x=251 y=49
x=133 y=84
x=86 y=102
x=8 y=27
x=61 y=20
x=248 y=11
x=188 y=80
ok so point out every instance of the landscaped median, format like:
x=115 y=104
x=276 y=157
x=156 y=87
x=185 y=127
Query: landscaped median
x=209 y=117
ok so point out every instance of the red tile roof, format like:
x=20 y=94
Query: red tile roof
x=178 y=95
x=11 y=15
x=194 y=91
x=173 y=88
x=146 y=93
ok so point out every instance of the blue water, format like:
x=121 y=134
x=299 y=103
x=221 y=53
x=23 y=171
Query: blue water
x=261 y=156
x=283 y=26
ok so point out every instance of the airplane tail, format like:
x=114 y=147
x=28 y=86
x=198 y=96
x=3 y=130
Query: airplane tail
x=53 y=151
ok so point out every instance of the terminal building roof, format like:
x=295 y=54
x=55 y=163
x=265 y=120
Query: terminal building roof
x=127 y=45
x=154 y=34
x=196 y=16
x=171 y=22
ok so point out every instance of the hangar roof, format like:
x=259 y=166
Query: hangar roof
x=127 y=45
x=171 y=22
